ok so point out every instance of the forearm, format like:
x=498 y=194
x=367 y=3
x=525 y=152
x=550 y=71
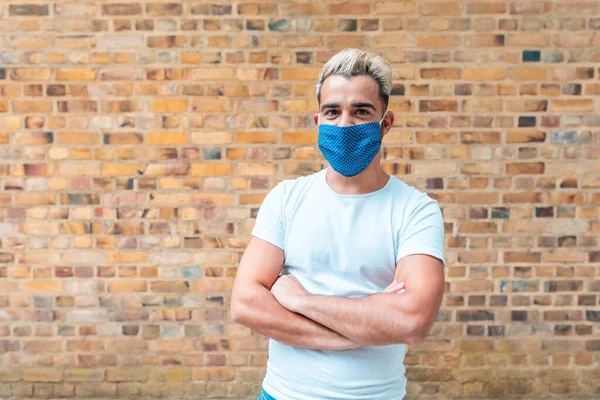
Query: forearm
x=376 y=320
x=258 y=310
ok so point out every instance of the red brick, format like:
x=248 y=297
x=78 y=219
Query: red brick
x=525 y=168
x=157 y=128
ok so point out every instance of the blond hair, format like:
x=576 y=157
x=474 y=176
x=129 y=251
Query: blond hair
x=353 y=62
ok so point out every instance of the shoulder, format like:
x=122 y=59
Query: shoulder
x=295 y=187
x=410 y=199
x=406 y=193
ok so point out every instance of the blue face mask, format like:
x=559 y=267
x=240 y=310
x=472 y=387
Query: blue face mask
x=350 y=149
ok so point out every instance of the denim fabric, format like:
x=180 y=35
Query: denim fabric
x=265 y=396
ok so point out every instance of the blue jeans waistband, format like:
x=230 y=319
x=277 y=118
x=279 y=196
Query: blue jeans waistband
x=265 y=396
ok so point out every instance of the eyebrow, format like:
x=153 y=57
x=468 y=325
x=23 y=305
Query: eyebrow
x=355 y=105
x=364 y=105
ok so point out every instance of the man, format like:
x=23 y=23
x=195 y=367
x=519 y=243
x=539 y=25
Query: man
x=345 y=266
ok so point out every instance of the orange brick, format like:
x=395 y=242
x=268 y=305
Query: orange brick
x=76 y=42
x=213 y=199
x=42 y=374
x=296 y=9
x=393 y=40
x=526 y=105
x=41 y=286
x=76 y=74
x=301 y=106
x=252 y=198
x=439 y=7
x=439 y=41
x=300 y=138
x=167 y=138
x=340 y=42
x=571 y=40
x=77 y=138
x=531 y=74
x=212 y=74
x=345 y=8
x=212 y=138
x=575 y=105
x=480 y=198
x=437 y=105
x=127 y=257
x=208 y=105
x=525 y=136
x=525 y=168
x=35 y=199
x=121 y=169
x=210 y=169
x=529 y=39
x=31 y=106
x=484 y=74
x=30 y=74
x=169 y=105
x=190 y=57
x=524 y=197
x=300 y=74
x=478 y=227
x=146 y=155
x=127 y=286
x=386 y=7
x=257 y=9
x=255 y=137
x=253 y=169
x=236 y=154
x=480 y=7
x=440 y=73
x=484 y=40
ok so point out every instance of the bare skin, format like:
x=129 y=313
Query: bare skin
x=379 y=319
x=254 y=305
x=280 y=308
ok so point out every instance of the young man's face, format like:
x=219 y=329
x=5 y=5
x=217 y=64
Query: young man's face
x=353 y=101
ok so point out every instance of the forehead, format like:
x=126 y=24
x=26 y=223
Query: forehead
x=338 y=89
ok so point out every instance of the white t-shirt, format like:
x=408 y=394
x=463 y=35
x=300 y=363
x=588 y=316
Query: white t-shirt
x=344 y=245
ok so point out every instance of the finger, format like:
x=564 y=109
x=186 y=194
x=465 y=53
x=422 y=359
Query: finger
x=399 y=286
x=390 y=288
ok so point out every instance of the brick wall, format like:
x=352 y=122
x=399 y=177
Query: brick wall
x=138 y=140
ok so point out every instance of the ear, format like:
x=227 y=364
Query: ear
x=316 y=119
x=387 y=123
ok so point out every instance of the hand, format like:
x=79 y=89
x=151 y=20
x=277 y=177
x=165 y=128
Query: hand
x=394 y=287
x=288 y=292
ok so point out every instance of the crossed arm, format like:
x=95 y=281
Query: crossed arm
x=281 y=309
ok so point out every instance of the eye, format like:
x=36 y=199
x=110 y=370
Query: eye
x=362 y=112
x=330 y=113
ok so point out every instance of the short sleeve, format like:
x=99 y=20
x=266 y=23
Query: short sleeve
x=423 y=231
x=269 y=225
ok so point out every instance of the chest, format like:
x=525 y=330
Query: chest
x=344 y=249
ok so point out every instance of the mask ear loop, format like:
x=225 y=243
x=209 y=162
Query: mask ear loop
x=381 y=120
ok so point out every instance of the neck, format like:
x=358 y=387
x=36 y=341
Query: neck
x=370 y=180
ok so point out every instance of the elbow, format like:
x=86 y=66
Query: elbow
x=418 y=332
x=235 y=314
x=237 y=311
x=415 y=338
